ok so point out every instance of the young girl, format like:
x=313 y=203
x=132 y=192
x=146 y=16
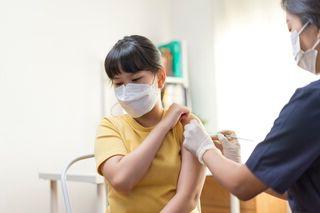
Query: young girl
x=140 y=154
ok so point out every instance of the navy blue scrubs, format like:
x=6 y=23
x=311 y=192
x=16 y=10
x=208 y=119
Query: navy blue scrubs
x=288 y=160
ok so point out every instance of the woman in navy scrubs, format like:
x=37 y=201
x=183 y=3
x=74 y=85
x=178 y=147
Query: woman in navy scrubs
x=287 y=163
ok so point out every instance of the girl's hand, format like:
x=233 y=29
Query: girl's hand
x=185 y=119
x=174 y=114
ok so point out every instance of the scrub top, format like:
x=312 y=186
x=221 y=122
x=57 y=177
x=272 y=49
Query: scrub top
x=288 y=160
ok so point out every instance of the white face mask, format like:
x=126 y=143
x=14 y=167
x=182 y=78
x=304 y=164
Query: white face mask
x=305 y=59
x=137 y=99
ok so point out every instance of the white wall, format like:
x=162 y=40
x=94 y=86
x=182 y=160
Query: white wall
x=51 y=55
x=193 y=22
x=255 y=72
x=240 y=65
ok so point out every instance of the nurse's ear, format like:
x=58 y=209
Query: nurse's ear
x=161 y=75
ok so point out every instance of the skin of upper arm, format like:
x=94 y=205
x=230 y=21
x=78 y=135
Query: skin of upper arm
x=191 y=178
x=189 y=187
x=192 y=172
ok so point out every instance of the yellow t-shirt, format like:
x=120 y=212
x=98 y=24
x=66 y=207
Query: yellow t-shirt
x=121 y=135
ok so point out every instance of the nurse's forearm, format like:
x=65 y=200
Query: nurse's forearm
x=125 y=172
x=235 y=177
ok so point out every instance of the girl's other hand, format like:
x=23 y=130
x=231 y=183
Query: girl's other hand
x=185 y=119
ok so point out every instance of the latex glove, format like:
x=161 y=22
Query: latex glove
x=197 y=140
x=231 y=145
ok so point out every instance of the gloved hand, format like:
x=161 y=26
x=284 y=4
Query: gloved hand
x=231 y=145
x=197 y=140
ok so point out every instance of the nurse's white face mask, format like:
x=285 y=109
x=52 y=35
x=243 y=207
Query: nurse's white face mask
x=305 y=59
x=138 y=99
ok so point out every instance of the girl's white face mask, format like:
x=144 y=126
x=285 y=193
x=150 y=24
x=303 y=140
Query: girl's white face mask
x=305 y=59
x=137 y=99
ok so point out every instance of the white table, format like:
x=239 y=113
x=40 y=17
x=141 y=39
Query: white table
x=93 y=178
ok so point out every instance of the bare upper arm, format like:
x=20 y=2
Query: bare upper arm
x=192 y=172
x=192 y=175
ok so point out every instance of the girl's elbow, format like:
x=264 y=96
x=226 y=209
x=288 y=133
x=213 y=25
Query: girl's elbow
x=191 y=200
x=121 y=184
x=193 y=204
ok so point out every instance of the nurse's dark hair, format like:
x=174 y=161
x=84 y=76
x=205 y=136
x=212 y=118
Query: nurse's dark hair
x=132 y=54
x=306 y=10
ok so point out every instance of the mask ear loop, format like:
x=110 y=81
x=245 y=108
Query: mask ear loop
x=316 y=44
x=304 y=27
x=154 y=78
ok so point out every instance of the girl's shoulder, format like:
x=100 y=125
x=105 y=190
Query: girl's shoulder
x=114 y=121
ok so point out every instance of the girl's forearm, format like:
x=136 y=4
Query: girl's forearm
x=132 y=167
x=180 y=204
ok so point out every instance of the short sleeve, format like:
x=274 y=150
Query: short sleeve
x=108 y=143
x=292 y=145
x=179 y=128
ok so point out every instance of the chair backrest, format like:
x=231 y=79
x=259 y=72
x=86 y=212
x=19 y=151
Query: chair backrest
x=64 y=180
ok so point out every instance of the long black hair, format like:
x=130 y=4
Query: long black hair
x=132 y=54
x=306 y=10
